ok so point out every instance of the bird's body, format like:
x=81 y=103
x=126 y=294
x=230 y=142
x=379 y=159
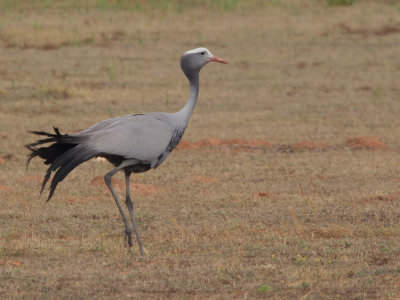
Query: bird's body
x=134 y=131
x=133 y=143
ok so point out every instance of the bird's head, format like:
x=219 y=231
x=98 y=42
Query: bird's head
x=193 y=60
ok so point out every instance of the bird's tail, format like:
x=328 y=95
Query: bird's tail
x=63 y=154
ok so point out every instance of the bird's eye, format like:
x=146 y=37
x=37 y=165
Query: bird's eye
x=203 y=53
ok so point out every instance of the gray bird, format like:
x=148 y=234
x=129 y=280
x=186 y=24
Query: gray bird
x=132 y=143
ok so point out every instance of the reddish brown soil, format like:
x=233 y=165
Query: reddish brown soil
x=367 y=142
x=2 y=161
x=231 y=142
x=4 y=188
x=209 y=142
x=394 y=197
x=264 y=194
x=98 y=180
x=14 y=263
x=185 y=145
x=8 y=157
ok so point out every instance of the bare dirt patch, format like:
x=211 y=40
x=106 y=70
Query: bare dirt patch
x=185 y=145
x=230 y=142
x=6 y=158
x=4 y=187
x=366 y=143
x=209 y=142
x=13 y=263
x=264 y=194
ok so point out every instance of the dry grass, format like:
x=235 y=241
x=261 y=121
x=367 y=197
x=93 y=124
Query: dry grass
x=278 y=190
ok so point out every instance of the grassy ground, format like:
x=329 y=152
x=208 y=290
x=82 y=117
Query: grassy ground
x=287 y=184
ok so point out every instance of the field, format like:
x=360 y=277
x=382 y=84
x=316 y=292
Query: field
x=285 y=186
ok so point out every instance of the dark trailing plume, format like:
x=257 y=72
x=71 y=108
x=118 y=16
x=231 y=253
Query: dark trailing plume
x=63 y=154
x=51 y=152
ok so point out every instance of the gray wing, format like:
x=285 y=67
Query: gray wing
x=141 y=137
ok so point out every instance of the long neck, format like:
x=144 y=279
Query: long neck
x=185 y=113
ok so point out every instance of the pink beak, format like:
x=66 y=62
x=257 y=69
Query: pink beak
x=217 y=59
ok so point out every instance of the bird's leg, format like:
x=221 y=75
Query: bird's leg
x=129 y=204
x=107 y=179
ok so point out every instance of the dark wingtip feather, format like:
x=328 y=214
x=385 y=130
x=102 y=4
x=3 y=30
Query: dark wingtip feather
x=61 y=155
x=45 y=179
x=75 y=159
x=49 y=153
x=35 y=152
x=31 y=155
x=56 y=131
x=50 y=195
x=28 y=161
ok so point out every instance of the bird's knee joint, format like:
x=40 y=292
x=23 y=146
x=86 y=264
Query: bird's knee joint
x=107 y=179
x=129 y=202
